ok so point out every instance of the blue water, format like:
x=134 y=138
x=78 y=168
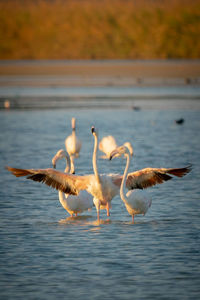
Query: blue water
x=45 y=254
x=174 y=92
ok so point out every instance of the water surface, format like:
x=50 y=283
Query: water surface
x=45 y=254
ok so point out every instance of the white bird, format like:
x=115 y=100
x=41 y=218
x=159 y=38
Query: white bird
x=108 y=144
x=73 y=145
x=103 y=187
x=136 y=201
x=73 y=204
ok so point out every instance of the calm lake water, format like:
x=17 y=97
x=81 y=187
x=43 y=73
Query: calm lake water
x=45 y=254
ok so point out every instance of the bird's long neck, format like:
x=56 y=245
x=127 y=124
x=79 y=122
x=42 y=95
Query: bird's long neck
x=68 y=165
x=94 y=159
x=72 y=168
x=74 y=136
x=61 y=197
x=73 y=129
x=123 y=184
x=67 y=169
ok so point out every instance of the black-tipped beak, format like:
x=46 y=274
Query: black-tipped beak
x=54 y=166
x=73 y=172
x=93 y=129
x=113 y=153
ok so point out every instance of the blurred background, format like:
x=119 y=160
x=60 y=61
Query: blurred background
x=106 y=29
x=56 y=45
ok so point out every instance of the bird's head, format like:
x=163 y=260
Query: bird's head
x=59 y=155
x=73 y=123
x=94 y=131
x=130 y=147
x=121 y=150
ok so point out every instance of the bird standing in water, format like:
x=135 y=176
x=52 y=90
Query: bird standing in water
x=136 y=201
x=73 y=204
x=103 y=187
x=73 y=145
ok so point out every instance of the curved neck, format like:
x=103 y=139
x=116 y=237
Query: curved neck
x=123 y=184
x=67 y=169
x=94 y=159
x=68 y=164
x=74 y=137
x=62 y=197
x=72 y=168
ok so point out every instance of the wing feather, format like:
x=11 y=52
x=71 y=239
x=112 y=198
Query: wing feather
x=151 y=176
x=141 y=179
x=67 y=183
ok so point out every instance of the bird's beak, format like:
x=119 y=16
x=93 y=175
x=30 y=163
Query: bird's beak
x=113 y=153
x=93 y=129
x=54 y=165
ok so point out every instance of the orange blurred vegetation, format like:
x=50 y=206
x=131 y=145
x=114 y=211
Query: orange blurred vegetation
x=99 y=29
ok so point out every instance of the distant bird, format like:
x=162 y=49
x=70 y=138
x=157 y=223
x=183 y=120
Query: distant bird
x=103 y=187
x=108 y=144
x=73 y=145
x=180 y=121
x=136 y=108
x=136 y=201
x=73 y=204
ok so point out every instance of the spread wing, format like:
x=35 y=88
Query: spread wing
x=67 y=183
x=148 y=177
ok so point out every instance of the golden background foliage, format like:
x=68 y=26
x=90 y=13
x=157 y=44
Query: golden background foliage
x=99 y=29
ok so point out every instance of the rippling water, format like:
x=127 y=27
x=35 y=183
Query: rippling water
x=45 y=254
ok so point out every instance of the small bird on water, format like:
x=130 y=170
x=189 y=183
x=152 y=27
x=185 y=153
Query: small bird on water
x=180 y=121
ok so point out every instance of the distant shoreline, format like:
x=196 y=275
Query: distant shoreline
x=86 y=84
x=99 y=73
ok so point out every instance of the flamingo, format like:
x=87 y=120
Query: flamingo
x=73 y=204
x=136 y=201
x=103 y=187
x=73 y=145
x=108 y=144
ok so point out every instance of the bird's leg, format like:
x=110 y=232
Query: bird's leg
x=108 y=209
x=133 y=219
x=98 y=215
x=97 y=205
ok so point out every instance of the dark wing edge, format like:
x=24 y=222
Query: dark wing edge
x=149 y=177
x=44 y=177
x=180 y=172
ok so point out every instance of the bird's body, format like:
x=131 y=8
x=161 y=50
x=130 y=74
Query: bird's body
x=73 y=144
x=108 y=144
x=73 y=204
x=105 y=191
x=179 y=121
x=137 y=202
x=76 y=204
